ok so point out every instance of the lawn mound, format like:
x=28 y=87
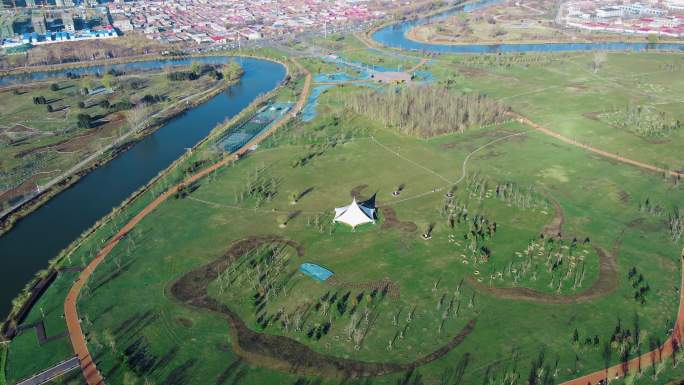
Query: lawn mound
x=606 y=283
x=279 y=352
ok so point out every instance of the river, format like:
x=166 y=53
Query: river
x=394 y=35
x=40 y=236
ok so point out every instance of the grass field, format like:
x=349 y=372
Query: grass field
x=427 y=273
x=168 y=305
x=39 y=145
x=3 y=364
x=564 y=92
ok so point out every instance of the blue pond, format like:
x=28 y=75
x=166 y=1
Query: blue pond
x=316 y=272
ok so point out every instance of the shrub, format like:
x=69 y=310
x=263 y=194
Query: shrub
x=84 y=121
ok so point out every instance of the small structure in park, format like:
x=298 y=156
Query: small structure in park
x=356 y=214
x=392 y=77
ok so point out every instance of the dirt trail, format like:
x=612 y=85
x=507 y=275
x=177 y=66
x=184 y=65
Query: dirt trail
x=555 y=227
x=520 y=118
x=647 y=359
x=281 y=352
x=606 y=283
x=78 y=342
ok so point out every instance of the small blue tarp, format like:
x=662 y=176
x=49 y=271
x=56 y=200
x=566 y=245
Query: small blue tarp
x=316 y=272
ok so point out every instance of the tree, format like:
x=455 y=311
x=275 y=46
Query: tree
x=84 y=120
x=54 y=87
x=107 y=80
x=232 y=71
x=130 y=379
x=600 y=57
x=136 y=117
x=196 y=67
x=109 y=339
x=49 y=108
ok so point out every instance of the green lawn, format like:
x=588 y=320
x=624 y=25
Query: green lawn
x=139 y=329
x=184 y=234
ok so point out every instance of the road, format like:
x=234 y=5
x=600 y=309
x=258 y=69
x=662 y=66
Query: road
x=54 y=372
x=73 y=321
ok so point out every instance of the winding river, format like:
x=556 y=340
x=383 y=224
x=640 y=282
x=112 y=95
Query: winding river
x=43 y=234
x=395 y=36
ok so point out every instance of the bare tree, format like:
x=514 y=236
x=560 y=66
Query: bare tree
x=136 y=117
x=600 y=57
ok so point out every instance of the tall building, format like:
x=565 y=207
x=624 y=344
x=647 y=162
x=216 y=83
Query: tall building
x=38 y=22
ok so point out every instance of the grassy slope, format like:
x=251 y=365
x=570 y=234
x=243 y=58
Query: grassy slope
x=184 y=234
x=560 y=96
x=588 y=191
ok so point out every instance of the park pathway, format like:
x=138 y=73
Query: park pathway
x=52 y=373
x=78 y=341
x=606 y=154
x=638 y=364
x=522 y=119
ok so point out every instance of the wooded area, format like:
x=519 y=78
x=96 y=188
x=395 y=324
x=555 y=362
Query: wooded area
x=428 y=110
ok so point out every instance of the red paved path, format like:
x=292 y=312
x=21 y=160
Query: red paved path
x=78 y=342
x=647 y=359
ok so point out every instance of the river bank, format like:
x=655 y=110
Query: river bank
x=81 y=64
x=28 y=205
x=414 y=34
x=87 y=202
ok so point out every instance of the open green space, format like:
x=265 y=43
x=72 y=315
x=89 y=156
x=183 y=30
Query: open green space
x=46 y=128
x=575 y=94
x=504 y=256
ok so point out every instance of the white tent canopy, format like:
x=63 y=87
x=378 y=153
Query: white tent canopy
x=355 y=214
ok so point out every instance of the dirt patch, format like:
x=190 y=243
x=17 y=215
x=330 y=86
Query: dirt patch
x=606 y=283
x=595 y=115
x=577 y=87
x=472 y=72
x=184 y=322
x=624 y=196
x=356 y=192
x=385 y=285
x=556 y=226
x=390 y=221
x=279 y=352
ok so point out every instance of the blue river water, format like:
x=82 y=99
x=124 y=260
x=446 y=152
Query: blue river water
x=41 y=235
x=395 y=36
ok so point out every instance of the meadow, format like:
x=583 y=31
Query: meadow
x=503 y=256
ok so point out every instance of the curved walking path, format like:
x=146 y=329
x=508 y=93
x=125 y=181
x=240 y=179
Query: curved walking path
x=524 y=120
x=637 y=364
x=78 y=340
